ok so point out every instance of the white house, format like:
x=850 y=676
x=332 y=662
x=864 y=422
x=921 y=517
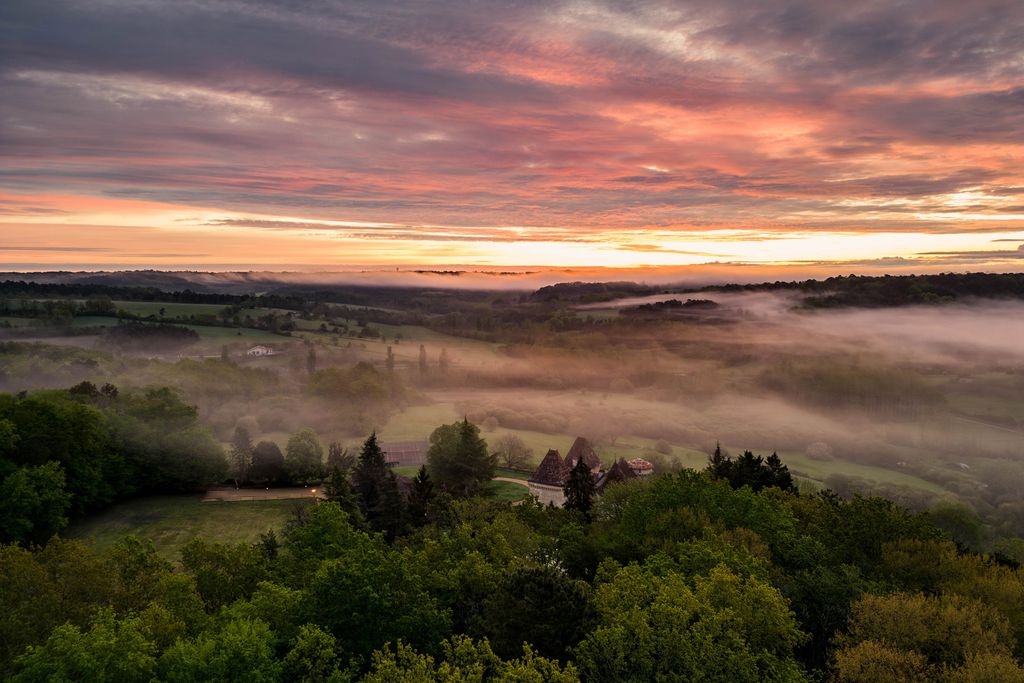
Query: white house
x=260 y=350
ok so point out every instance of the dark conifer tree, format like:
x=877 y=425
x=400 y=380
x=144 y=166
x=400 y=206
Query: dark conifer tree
x=420 y=497
x=779 y=474
x=340 y=457
x=719 y=464
x=579 y=489
x=377 y=489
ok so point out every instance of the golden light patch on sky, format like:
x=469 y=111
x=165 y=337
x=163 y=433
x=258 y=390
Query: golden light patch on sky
x=97 y=231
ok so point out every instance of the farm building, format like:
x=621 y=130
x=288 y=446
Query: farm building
x=548 y=480
x=640 y=467
x=583 y=450
x=619 y=472
x=260 y=350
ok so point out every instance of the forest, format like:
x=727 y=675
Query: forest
x=836 y=488
x=684 y=576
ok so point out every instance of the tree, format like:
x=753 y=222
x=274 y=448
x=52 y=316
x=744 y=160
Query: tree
x=33 y=504
x=750 y=470
x=946 y=630
x=579 y=489
x=718 y=463
x=223 y=572
x=304 y=457
x=464 y=660
x=718 y=628
x=458 y=458
x=267 y=462
x=370 y=595
x=442 y=362
x=512 y=452
x=112 y=649
x=541 y=606
x=242 y=650
x=338 y=489
x=423 y=360
x=377 y=488
x=340 y=457
x=241 y=454
x=313 y=657
x=389 y=363
x=420 y=497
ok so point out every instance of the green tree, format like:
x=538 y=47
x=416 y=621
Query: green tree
x=313 y=658
x=241 y=650
x=465 y=660
x=267 y=463
x=720 y=627
x=458 y=458
x=112 y=649
x=946 y=630
x=540 y=606
x=579 y=489
x=340 y=457
x=421 y=496
x=33 y=504
x=223 y=572
x=375 y=484
x=338 y=489
x=241 y=454
x=304 y=457
x=371 y=595
x=423 y=360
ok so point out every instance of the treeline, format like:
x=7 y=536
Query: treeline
x=674 y=577
x=590 y=292
x=672 y=305
x=134 y=336
x=64 y=454
x=18 y=289
x=870 y=291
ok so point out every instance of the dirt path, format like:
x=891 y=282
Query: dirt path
x=234 y=495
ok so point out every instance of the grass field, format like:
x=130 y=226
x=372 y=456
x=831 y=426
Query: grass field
x=505 y=491
x=171 y=310
x=172 y=521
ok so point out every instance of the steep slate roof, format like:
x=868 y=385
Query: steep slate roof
x=551 y=471
x=581 y=448
x=619 y=472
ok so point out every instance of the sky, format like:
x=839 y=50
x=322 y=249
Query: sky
x=823 y=135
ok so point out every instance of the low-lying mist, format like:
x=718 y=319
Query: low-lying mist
x=924 y=404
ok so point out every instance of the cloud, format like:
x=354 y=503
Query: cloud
x=45 y=247
x=599 y=118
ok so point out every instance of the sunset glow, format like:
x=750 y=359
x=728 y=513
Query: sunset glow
x=580 y=134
